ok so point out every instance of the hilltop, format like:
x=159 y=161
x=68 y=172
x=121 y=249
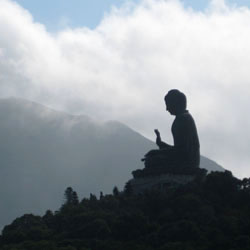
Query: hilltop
x=201 y=215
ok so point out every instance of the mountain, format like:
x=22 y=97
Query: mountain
x=44 y=151
x=210 y=165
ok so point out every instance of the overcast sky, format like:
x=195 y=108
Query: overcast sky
x=120 y=64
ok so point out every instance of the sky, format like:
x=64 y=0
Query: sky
x=115 y=60
x=58 y=14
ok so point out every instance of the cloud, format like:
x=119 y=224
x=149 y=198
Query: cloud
x=122 y=69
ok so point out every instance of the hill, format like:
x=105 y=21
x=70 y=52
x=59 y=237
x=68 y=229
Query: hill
x=43 y=151
x=201 y=215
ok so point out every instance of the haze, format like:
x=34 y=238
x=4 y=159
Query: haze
x=122 y=68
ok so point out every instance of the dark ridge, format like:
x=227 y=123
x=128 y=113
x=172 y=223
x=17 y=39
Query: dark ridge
x=201 y=215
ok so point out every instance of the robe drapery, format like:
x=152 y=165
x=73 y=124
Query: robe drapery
x=186 y=149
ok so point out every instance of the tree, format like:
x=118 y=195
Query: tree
x=128 y=190
x=101 y=195
x=71 y=197
x=115 y=191
x=75 y=200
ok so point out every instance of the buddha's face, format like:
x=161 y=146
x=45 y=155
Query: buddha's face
x=170 y=108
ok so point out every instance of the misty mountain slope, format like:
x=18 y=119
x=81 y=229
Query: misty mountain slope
x=210 y=165
x=44 y=151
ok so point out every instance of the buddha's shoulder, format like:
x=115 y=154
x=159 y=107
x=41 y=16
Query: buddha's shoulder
x=185 y=116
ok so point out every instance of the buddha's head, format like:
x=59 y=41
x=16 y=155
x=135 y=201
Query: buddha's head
x=176 y=102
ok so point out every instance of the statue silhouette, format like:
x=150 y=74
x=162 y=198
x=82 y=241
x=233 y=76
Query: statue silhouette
x=186 y=149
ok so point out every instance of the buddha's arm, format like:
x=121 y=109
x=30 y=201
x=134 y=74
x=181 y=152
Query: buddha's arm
x=164 y=145
x=159 y=142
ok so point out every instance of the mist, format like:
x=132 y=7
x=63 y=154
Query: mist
x=122 y=69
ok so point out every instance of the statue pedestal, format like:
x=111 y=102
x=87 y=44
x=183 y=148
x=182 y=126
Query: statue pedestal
x=162 y=178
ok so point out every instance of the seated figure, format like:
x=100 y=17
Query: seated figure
x=185 y=153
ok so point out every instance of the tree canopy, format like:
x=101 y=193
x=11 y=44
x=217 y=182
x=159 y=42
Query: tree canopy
x=201 y=215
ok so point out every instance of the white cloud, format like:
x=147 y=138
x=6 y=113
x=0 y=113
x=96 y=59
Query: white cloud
x=123 y=68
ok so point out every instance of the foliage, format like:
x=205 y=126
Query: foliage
x=71 y=197
x=213 y=214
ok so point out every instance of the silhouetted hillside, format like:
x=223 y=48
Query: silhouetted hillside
x=201 y=215
x=43 y=150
